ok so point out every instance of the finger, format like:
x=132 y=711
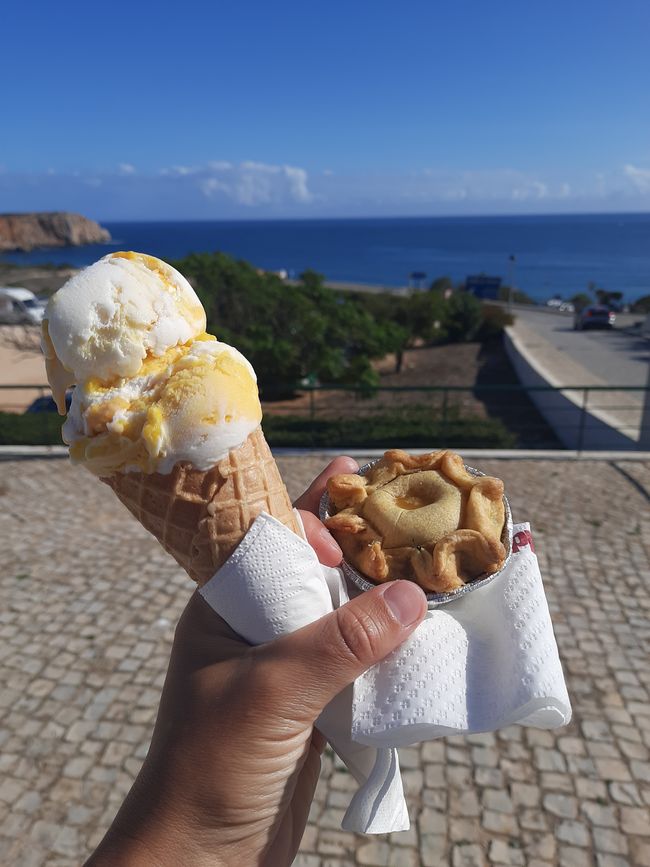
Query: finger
x=318 y=741
x=321 y=540
x=305 y=670
x=311 y=498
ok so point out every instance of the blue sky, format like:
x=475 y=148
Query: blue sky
x=260 y=109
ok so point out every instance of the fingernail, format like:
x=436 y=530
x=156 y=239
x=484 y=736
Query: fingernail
x=405 y=600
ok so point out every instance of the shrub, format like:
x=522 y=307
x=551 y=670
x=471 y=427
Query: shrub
x=31 y=429
x=411 y=427
x=641 y=305
x=494 y=320
x=462 y=317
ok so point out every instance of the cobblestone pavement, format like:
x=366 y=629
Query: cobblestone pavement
x=85 y=636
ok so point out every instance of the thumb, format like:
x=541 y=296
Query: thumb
x=316 y=662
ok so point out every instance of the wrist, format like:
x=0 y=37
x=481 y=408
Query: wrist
x=168 y=846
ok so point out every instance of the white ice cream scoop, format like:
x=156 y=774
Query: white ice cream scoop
x=110 y=316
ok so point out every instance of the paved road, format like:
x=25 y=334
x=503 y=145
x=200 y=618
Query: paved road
x=613 y=356
x=85 y=635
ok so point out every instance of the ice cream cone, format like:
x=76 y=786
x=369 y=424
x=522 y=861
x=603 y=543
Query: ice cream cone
x=200 y=516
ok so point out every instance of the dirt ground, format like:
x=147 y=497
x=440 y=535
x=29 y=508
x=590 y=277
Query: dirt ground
x=472 y=366
x=21 y=363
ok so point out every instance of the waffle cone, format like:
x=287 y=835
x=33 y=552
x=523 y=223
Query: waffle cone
x=200 y=516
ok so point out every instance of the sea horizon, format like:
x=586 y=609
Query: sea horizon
x=555 y=254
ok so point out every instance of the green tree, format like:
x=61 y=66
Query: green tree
x=580 y=300
x=288 y=331
x=463 y=317
x=642 y=305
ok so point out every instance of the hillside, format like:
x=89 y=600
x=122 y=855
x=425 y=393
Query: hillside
x=48 y=229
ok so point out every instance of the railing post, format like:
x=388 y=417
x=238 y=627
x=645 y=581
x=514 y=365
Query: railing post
x=312 y=408
x=445 y=402
x=583 y=417
x=644 y=428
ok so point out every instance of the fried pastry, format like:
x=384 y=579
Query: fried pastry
x=424 y=518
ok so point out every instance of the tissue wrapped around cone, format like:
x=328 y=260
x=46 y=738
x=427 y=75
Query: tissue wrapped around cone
x=200 y=516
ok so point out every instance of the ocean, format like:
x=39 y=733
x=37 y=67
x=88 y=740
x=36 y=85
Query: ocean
x=553 y=254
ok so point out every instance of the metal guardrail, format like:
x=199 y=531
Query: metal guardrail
x=514 y=404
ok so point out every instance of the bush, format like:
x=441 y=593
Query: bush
x=494 y=320
x=411 y=427
x=641 y=305
x=462 y=317
x=31 y=429
x=516 y=296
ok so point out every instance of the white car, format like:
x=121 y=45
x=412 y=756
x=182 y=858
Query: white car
x=20 y=307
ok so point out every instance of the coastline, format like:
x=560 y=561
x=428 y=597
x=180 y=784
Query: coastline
x=559 y=254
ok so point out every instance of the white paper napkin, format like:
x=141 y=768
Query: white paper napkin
x=484 y=661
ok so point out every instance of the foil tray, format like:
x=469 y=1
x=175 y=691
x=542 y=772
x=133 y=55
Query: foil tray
x=433 y=599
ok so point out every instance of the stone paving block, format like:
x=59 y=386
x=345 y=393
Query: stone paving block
x=432 y=822
x=500 y=823
x=574 y=833
x=636 y=820
x=569 y=856
x=625 y=793
x=610 y=841
x=464 y=830
x=525 y=795
x=613 y=770
x=639 y=851
x=376 y=853
x=561 y=805
x=434 y=776
x=497 y=799
x=433 y=849
x=491 y=777
x=539 y=845
x=468 y=855
x=501 y=852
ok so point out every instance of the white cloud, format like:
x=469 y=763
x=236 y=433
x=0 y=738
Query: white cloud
x=529 y=190
x=211 y=186
x=178 y=171
x=639 y=177
x=126 y=169
x=264 y=168
x=254 y=184
x=297 y=179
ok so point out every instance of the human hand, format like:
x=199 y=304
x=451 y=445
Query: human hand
x=234 y=758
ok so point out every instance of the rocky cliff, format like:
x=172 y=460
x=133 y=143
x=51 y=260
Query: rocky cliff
x=54 y=229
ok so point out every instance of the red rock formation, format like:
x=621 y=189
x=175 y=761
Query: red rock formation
x=53 y=229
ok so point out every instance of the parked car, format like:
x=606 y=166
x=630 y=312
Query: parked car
x=567 y=307
x=594 y=317
x=46 y=403
x=20 y=307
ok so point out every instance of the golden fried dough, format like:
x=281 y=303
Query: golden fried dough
x=420 y=517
